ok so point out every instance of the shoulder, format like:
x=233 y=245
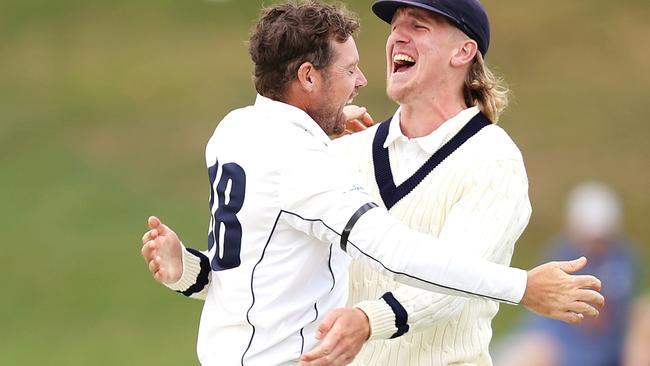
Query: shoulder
x=230 y=127
x=494 y=143
x=236 y=117
x=492 y=158
x=232 y=123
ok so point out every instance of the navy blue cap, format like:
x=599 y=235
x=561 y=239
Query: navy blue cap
x=468 y=15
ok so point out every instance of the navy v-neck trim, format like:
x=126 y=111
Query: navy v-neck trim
x=390 y=193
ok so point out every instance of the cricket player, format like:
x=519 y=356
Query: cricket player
x=475 y=197
x=287 y=214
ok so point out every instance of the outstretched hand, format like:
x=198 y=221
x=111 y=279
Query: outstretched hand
x=162 y=251
x=553 y=291
x=342 y=333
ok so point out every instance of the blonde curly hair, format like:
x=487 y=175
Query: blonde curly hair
x=485 y=89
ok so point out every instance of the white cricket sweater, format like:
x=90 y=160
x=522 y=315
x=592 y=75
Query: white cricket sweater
x=478 y=198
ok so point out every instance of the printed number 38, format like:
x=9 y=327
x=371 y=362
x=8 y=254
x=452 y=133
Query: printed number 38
x=232 y=182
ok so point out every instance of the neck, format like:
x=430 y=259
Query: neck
x=420 y=118
x=292 y=98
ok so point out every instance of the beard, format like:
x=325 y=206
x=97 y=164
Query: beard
x=329 y=118
x=328 y=115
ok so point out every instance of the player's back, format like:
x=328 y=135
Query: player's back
x=270 y=282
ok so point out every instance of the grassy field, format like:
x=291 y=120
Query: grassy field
x=105 y=108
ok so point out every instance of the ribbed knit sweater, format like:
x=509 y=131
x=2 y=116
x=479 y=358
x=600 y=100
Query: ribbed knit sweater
x=476 y=198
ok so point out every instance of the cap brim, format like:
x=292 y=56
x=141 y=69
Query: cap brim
x=386 y=9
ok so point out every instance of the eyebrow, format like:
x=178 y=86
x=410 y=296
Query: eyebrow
x=415 y=13
x=354 y=62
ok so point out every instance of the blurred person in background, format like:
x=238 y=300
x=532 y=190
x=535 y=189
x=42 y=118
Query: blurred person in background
x=637 y=344
x=593 y=229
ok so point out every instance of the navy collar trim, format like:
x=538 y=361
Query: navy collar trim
x=392 y=194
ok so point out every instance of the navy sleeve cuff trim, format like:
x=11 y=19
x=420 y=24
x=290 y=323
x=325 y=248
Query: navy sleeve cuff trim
x=202 y=279
x=401 y=316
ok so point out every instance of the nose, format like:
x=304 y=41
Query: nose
x=397 y=33
x=361 y=79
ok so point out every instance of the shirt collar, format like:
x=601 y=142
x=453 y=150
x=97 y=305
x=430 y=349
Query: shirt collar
x=289 y=113
x=433 y=141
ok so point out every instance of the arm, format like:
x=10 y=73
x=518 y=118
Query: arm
x=181 y=269
x=322 y=199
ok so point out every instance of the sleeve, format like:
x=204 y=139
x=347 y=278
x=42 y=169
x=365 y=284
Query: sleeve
x=485 y=223
x=322 y=199
x=195 y=280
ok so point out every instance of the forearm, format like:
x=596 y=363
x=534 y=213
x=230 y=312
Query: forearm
x=196 y=276
x=429 y=263
x=409 y=309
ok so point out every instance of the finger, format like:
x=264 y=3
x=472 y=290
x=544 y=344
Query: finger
x=315 y=357
x=321 y=352
x=317 y=361
x=157 y=225
x=591 y=297
x=154 y=266
x=571 y=318
x=355 y=126
x=343 y=359
x=160 y=275
x=149 y=235
x=153 y=222
x=366 y=119
x=580 y=307
x=326 y=351
x=148 y=251
x=326 y=324
x=353 y=112
x=588 y=282
x=332 y=345
x=324 y=361
x=163 y=229
x=574 y=265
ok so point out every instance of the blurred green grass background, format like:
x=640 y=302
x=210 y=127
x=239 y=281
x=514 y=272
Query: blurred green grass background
x=105 y=108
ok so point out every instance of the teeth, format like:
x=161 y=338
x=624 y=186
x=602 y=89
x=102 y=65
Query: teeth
x=403 y=57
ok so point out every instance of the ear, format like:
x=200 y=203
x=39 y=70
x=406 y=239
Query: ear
x=464 y=53
x=307 y=76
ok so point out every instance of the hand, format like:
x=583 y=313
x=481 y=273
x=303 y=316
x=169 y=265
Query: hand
x=162 y=251
x=552 y=292
x=344 y=331
x=357 y=119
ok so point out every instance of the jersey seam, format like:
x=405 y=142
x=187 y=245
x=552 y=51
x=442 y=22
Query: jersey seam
x=250 y=342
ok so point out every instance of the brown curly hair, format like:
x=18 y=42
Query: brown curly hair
x=292 y=33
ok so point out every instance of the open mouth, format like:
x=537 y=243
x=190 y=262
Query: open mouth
x=352 y=96
x=402 y=62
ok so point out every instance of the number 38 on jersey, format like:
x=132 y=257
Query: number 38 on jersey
x=227 y=192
